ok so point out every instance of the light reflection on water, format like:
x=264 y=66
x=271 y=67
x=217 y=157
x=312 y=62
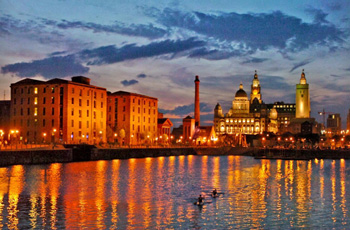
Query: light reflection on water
x=159 y=193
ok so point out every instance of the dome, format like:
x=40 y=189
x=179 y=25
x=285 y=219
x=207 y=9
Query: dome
x=241 y=92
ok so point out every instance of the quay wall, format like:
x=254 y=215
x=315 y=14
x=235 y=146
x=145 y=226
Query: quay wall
x=303 y=153
x=23 y=157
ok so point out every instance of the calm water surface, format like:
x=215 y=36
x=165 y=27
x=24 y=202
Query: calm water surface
x=158 y=193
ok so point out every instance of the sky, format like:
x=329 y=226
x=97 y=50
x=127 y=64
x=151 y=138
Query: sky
x=156 y=48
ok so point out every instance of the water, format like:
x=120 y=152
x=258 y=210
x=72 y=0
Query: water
x=158 y=193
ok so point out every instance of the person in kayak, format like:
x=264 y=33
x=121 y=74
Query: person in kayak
x=215 y=193
x=200 y=199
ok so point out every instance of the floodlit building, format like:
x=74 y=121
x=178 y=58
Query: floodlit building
x=164 y=128
x=59 y=110
x=132 y=118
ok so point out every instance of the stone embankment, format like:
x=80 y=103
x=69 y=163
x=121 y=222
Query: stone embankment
x=301 y=154
x=74 y=153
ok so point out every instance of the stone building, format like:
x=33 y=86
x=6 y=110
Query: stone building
x=59 y=110
x=132 y=118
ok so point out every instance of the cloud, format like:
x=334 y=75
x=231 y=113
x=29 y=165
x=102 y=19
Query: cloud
x=138 y=30
x=128 y=83
x=187 y=109
x=52 y=67
x=141 y=75
x=253 y=31
x=112 y=54
x=300 y=64
x=319 y=15
x=254 y=60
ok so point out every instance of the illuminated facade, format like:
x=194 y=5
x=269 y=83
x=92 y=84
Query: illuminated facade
x=4 y=117
x=132 y=118
x=302 y=98
x=59 y=111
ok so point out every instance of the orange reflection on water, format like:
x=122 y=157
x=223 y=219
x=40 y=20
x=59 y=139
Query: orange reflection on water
x=131 y=192
x=147 y=194
x=115 y=192
x=289 y=172
x=321 y=173
x=216 y=172
x=99 y=194
x=33 y=213
x=16 y=185
x=334 y=197
x=342 y=189
x=54 y=183
x=204 y=168
x=4 y=181
x=302 y=192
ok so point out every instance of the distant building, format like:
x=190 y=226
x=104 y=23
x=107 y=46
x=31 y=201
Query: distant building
x=285 y=113
x=302 y=123
x=132 y=118
x=59 y=110
x=164 y=129
x=334 y=123
x=5 y=116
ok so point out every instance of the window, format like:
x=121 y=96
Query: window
x=52 y=89
x=79 y=124
x=101 y=95
x=44 y=111
x=35 y=111
x=44 y=100
x=28 y=122
x=88 y=102
x=79 y=113
x=28 y=100
x=44 y=90
x=101 y=105
x=35 y=90
x=87 y=124
x=95 y=104
x=72 y=112
x=94 y=95
x=28 y=90
x=123 y=108
x=35 y=100
x=88 y=92
x=52 y=100
x=15 y=90
x=94 y=114
x=72 y=90
x=72 y=101
x=94 y=125
x=14 y=101
x=22 y=91
x=124 y=99
x=28 y=111
x=80 y=92
x=79 y=102
x=53 y=111
x=87 y=113
x=44 y=123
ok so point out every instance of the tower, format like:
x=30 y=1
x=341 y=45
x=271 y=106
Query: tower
x=196 y=102
x=302 y=98
x=255 y=89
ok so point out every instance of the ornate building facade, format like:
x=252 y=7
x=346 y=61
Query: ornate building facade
x=252 y=115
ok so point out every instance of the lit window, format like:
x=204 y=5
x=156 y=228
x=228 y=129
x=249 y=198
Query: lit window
x=35 y=90
x=35 y=111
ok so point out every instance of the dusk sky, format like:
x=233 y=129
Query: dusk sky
x=156 y=49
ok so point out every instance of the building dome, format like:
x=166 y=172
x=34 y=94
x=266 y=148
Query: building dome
x=241 y=92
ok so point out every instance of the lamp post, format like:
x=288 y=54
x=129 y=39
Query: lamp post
x=53 y=137
x=44 y=137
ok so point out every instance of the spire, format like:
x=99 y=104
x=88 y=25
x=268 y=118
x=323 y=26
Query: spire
x=256 y=75
x=197 y=78
x=302 y=78
x=241 y=86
